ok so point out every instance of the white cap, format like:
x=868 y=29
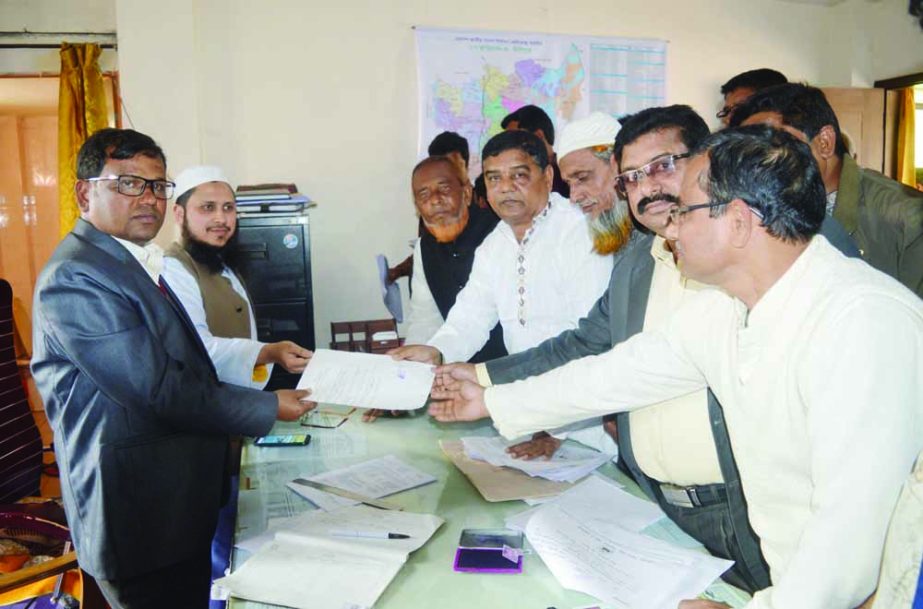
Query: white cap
x=195 y=176
x=598 y=129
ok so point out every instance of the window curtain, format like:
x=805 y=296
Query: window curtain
x=81 y=112
x=906 y=168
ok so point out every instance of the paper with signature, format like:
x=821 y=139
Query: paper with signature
x=366 y=380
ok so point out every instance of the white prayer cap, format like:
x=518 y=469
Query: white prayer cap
x=598 y=129
x=195 y=176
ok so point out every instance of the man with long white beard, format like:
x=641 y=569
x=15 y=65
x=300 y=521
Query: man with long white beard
x=584 y=154
x=678 y=451
x=201 y=270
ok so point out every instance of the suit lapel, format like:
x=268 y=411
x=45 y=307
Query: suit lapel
x=86 y=231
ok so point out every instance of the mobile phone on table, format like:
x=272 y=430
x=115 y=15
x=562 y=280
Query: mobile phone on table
x=489 y=551
x=295 y=439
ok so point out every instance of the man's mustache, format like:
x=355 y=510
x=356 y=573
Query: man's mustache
x=643 y=203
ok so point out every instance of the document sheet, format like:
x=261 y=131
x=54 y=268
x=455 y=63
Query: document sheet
x=308 y=565
x=589 y=539
x=373 y=479
x=366 y=380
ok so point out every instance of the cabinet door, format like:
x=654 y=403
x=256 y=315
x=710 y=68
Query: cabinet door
x=277 y=262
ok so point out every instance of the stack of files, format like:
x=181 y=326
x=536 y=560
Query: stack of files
x=270 y=198
x=590 y=540
x=322 y=560
x=375 y=479
x=570 y=462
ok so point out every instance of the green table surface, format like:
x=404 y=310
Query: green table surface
x=427 y=579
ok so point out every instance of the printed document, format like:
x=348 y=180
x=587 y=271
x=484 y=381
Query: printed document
x=373 y=479
x=307 y=566
x=366 y=380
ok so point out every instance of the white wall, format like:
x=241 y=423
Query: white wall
x=52 y=16
x=324 y=93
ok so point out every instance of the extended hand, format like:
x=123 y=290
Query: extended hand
x=541 y=445
x=448 y=374
x=373 y=413
x=287 y=354
x=417 y=353
x=293 y=403
x=464 y=403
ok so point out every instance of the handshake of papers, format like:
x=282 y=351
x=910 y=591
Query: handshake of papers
x=365 y=380
x=331 y=560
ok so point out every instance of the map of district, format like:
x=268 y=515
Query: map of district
x=469 y=81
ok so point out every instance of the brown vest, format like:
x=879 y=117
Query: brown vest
x=226 y=312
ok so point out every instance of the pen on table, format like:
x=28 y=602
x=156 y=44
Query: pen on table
x=368 y=534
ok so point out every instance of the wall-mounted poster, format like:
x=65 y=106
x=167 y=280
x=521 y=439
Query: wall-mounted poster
x=469 y=80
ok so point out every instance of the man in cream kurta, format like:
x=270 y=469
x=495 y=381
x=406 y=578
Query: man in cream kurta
x=200 y=269
x=825 y=424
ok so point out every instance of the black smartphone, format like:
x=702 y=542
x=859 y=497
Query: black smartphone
x=295 y=439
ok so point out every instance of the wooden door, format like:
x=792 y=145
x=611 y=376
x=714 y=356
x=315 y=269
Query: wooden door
x=861 y=113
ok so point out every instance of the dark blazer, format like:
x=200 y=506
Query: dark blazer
x=140 y=420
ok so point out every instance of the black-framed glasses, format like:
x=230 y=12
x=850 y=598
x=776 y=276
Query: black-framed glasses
x=677 y=212
x=726 y=111
x=133 y=186
x=658 y=168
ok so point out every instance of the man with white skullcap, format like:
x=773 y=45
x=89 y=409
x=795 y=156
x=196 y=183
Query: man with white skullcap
x=584 y=152
x=201 y=269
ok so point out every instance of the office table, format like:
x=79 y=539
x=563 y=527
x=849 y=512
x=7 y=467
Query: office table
x=427 y=579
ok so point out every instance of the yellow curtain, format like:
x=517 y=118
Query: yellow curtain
x=81 y=112
x=906 y=168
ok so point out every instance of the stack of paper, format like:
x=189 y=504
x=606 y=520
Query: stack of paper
x=308 y=564
x=568 y=464
x=589 y=539
x=374 y=479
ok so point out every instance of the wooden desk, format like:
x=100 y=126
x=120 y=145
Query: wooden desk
x=427 y=580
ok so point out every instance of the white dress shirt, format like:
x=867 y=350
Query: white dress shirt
x=822 y=391
x=562 y=278
x=150 y=256
x=424 y=317
x=234 y=358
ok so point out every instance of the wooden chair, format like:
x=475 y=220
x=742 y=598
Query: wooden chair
x=361 y=335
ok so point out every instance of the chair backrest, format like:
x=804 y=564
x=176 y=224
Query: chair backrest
x=368 y=336
x=20 y=441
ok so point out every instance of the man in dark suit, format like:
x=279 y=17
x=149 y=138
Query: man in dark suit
x=141 y=421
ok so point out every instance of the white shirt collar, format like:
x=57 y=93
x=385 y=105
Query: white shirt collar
x=150 y=256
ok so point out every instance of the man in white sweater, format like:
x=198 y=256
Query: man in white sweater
x=814 y=357
x=536 y=273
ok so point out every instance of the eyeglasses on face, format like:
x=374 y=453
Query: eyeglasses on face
x=726 y=111
x=133 y=186
x=662 y=167
x=678 y=212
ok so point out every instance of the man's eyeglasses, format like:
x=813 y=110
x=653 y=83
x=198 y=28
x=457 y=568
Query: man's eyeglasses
x=726 y=111
x=133 y=186
x=664 y=166
x=678 y=212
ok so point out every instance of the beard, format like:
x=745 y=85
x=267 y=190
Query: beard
x=447 y=233
x=213 y=257
x=611 y=230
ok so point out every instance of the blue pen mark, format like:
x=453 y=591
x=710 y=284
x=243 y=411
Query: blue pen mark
x=401 y=374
